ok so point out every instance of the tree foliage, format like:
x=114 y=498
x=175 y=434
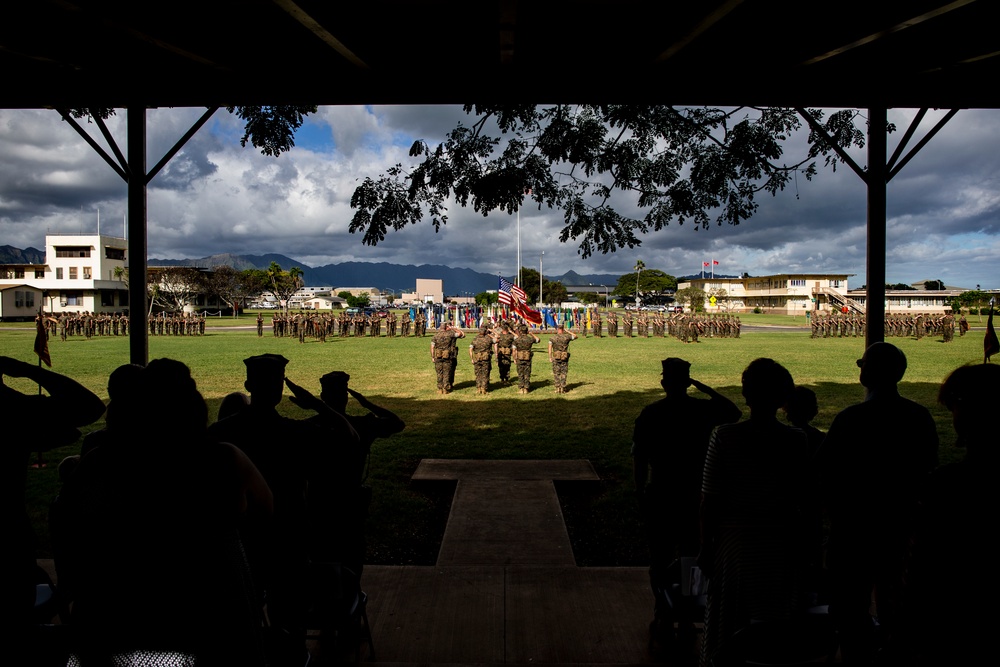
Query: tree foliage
x=553 y=291
x=175 y=287
x=271 y=128
x=234 y=287
x=651 y=281
x=268 y=128
x=486 y=298
x=691 y=297
x=283 y=283
x=673 y=164
x=362 y=300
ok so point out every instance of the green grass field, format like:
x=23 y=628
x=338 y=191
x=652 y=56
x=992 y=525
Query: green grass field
x=610 y=380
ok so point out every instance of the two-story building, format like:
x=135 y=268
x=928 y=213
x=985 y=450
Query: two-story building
x=784 y=293
x=82 y=272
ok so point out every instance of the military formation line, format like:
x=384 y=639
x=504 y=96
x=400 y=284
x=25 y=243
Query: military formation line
x=911 y=325
x=684 y=327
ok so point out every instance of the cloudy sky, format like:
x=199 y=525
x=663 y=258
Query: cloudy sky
x=216 y=197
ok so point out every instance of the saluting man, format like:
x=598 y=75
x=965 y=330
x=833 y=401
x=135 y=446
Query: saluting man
x=559 y=356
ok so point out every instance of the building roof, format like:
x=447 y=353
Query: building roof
x=918 y=53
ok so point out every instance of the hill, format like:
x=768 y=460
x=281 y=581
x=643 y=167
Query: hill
x=11 y=255
x=383 y=275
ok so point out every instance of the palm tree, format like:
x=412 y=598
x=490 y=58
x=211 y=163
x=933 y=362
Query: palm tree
x=639 y=266
x=284 y=284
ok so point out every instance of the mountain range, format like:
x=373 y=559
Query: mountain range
x=382 y=275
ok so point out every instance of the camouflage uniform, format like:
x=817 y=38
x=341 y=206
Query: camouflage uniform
x=505 y=349
x=444 y=352
x=559 y=356
x=522 y=356
x=481 y=351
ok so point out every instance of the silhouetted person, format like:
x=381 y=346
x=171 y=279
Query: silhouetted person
x=952 y=570
x=753 y=533
x=669 y=442
x=146 y=535
x=378 y=423
x=801 y=409
x=231 y=404
x=126 y=407
x=875 y=457
x=298 y=461
x=35 y=422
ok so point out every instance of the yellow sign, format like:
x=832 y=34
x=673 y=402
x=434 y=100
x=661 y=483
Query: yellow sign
x=712 y=300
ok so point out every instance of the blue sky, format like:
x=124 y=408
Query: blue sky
x=943 y=220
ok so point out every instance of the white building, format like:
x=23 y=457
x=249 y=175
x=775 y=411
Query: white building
x=79 y=274
x=19 y=302
x=785 y=293
x=914 y=301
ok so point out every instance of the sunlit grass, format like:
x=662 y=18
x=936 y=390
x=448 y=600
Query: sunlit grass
x=610 y=380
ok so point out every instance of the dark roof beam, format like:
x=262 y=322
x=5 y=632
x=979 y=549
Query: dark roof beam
x=508 y=30
x=141 y=36
x=180 y=143
x=902 y=25
x=315 y=27
x=923 y=142
x=93 y=144
x=841 y=153
x=720 y=12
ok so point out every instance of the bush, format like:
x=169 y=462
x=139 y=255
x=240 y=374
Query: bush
x=757 y=310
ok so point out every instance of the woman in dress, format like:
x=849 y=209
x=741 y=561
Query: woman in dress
x=146 y=533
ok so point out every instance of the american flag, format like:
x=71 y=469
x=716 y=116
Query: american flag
x=509 y=293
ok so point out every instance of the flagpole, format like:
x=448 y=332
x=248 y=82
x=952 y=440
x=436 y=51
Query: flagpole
x=518 y=246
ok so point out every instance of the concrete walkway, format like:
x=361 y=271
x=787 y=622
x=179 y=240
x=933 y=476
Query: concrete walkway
x=506 y=588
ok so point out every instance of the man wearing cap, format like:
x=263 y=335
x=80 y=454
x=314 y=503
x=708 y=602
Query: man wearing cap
x=301 y=469
x=875 y=457
x=669 y=443
x=378 y=423
x=444 y=354
x=559 y=356
x=481 y=351
x=345 y=540
x=522 y=357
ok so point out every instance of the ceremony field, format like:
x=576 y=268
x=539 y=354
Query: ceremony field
x=610 y=380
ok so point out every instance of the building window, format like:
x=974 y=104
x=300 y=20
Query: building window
x=29 y=299
x=86 y=273
x=73 y=251
x=114 y=253
x=19 y=273
x=59 y=273
x=40 y=274
x=72 y=298
x=796 y=282
x=72 y=273
x=18 y=299
x=107 y=297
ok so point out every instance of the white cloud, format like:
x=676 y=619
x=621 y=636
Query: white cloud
x=214 y=196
